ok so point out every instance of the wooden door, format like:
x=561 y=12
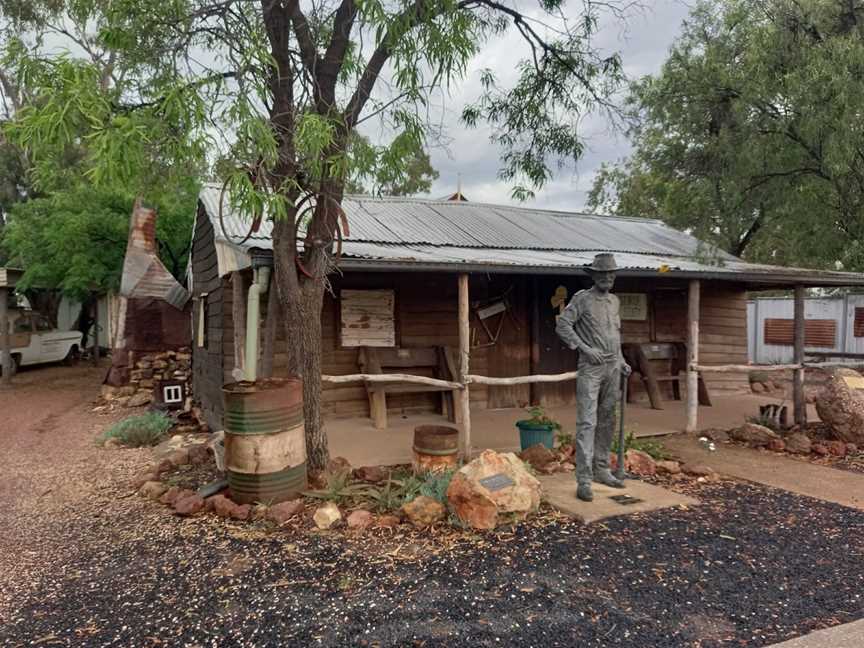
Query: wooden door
x=511 y=355
x=549 y=354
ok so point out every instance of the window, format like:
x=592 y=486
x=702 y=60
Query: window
x=42 y=323
x=858 y=326
x=367 y=318
x=23 y=325
x=172 y=394
x=817 y=332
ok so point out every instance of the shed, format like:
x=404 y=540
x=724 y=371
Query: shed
x=399 y=272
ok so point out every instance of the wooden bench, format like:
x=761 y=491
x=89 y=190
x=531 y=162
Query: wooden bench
x=375 y=360
x=639 y=357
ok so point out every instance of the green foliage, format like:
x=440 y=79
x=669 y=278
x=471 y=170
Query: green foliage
x=74 y=240
x=538 y=416
x=750 y=135
x=339 y=489
x=401 y=169
x=435 y=485
x=653 y=448
x=138 y=431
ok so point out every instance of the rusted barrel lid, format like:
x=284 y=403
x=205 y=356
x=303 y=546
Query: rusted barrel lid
x=436 y=440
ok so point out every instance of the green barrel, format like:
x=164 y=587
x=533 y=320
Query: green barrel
x=265 y=443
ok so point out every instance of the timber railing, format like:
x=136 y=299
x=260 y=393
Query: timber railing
x=436 y=382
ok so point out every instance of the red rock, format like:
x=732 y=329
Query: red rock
x=668 y=467
x=371 y=474
x=550 y=468
x=798 y=443
x=152 y=489
x=639 y=463
x=424 y=511
x=820 y=449
x=143 y=479
x=851 y=449
x=284 y=511
x=697 y=470
x=754 y=435
x=568 y=467
x=179 y=457
x=841 y=407
x=198 y=454
x=537 y=455
x=241 y=512
x=776 y=445
x=189 y=505
x=163 y=466
x=171 y=495
x=327 y=515
x=837 y=448
x=221 y=505
x=613 y=462
x=757 y=388
x=337 y=465
x=359 y=519
x=516 y=495
x=567 y=451
x=388 y=521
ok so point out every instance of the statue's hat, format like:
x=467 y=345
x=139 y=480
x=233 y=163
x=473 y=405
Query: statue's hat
x=603 y=262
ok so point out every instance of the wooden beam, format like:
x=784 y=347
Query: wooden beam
x=464 y=360
x=4 y=336
x=798 y=376
x=744 y=368
x=692 y=355
x=521 y=380
x=391 y=378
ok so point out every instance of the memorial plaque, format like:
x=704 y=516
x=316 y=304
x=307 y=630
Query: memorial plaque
x=496 y=482
x=854 y=382
x=625 y=500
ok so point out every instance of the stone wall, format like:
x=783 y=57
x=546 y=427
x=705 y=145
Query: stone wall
x=148 y=370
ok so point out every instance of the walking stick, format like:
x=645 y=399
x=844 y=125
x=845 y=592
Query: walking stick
x=620 y=473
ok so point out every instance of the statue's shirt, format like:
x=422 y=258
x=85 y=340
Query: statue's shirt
x=592 y=319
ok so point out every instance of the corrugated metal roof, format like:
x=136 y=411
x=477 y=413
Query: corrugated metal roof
x=444 y=234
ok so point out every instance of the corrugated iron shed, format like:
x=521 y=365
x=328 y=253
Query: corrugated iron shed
x=416 y=234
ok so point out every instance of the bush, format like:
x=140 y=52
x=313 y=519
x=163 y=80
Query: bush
x=138 y=431
x=436 y=484
x=653 y=448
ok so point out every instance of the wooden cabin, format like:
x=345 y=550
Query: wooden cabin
x=395 y=302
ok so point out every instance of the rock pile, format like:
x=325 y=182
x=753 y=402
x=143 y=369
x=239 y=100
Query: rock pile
x=148 y=371
x=842 y=408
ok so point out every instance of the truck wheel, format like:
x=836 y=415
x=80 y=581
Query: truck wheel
x=15 y=363
x=72 y=357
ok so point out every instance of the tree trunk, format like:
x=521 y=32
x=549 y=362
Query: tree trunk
x=302 y=300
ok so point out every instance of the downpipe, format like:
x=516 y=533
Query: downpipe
x=259 y=287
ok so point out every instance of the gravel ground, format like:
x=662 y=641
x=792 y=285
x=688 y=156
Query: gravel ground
x=84 y=567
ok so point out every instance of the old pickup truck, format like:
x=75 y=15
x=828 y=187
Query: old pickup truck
x=33 y=341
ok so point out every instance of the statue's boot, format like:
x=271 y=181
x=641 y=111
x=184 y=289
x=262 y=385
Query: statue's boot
x=583 y=492
x=607 y=478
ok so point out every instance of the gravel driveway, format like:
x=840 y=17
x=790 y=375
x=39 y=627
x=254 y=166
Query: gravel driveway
x=751 y=567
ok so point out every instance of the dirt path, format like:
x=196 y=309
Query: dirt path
x=822 y=482
x=53 y=474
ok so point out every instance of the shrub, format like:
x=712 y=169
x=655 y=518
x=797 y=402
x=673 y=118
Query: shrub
x=436 y=484
x=653 y=448
x=138 y=431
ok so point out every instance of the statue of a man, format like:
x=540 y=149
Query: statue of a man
x=591 y=324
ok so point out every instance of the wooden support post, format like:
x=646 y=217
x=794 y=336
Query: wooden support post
x=692 y=355
x=798 y=375
x=464 y=358
x=5 y=356
x=96 y=330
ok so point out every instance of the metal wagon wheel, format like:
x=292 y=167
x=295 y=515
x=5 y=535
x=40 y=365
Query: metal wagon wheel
x=305 y=206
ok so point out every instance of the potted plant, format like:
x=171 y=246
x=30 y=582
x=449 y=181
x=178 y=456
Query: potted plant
x=540 y=428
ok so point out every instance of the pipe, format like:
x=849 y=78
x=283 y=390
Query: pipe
x=260 y=283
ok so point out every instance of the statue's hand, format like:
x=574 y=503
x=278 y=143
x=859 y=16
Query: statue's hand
x=594 y=356
x=626 y=369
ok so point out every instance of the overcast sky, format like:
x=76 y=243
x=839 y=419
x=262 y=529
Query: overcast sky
x=643 y=43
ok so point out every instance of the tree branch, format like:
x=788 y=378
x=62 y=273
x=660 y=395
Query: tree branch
x=330 y=66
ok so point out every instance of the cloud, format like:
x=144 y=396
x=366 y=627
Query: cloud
x=643 y=42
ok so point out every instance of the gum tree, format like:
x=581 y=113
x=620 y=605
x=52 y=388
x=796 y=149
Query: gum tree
x=282 y=86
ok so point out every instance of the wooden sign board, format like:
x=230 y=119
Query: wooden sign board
x=367 y=318
x=634 y=306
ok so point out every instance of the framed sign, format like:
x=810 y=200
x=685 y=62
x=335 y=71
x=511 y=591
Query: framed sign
x=634 y=306
x=367 y=318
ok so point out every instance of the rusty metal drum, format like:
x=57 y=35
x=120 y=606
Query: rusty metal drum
x=436 y=448
x=265 y=443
